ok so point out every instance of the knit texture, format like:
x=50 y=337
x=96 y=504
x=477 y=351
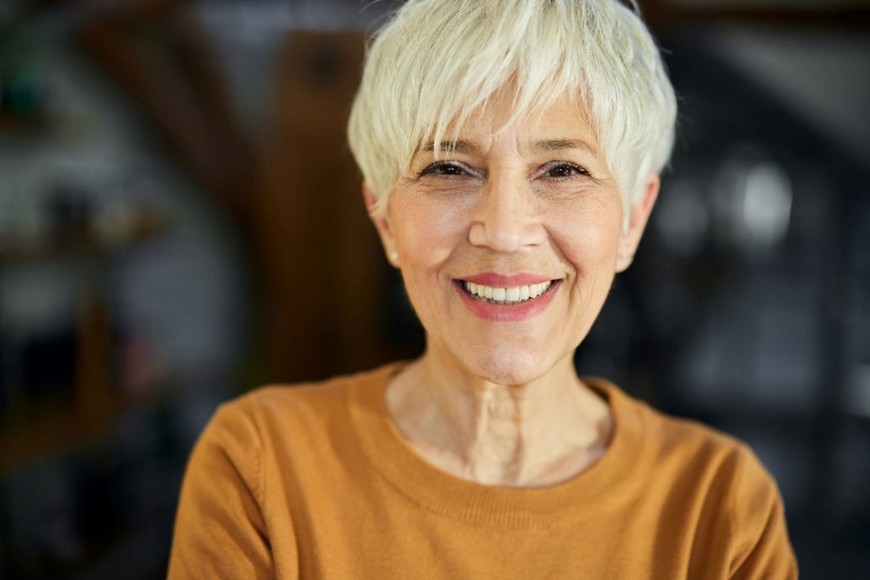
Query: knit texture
x=314 y=481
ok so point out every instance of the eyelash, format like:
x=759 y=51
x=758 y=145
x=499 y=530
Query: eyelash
x=440 y=168
x=561 y=165
x=455 y=169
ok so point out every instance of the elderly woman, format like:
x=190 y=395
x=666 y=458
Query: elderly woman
x=511 y=151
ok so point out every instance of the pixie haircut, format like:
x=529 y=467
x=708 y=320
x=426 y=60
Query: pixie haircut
x=437 y=61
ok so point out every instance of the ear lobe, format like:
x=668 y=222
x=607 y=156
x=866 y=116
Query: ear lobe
x=381 y=221
x=637 y=221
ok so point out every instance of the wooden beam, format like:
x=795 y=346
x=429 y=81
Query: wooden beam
x=183 y=96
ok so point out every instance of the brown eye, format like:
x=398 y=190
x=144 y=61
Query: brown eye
x=447 y=169
x=562 y=170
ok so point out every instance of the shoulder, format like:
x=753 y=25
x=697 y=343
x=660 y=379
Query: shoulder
x=688 y=457
x=732 y=481
x=726 y=467
x=709 y=451
x=279 y=410
x=673 y=441
x=701 y=470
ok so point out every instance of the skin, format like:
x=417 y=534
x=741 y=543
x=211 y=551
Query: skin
x=498 y=402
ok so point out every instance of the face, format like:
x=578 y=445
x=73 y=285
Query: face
x=508 y=240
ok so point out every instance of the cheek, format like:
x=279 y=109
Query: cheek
x=427 y=233
x=588 y=237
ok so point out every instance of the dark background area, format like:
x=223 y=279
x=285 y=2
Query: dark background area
x=180 y=221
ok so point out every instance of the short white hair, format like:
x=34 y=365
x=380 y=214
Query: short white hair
x=437 y=61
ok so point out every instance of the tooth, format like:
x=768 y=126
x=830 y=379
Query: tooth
x=524 y=292
x=510 y=295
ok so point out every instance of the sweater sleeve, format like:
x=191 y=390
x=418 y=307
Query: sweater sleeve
x=219 y=528
x=761 y=545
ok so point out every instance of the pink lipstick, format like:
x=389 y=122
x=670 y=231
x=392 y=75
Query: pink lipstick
x=506 y=298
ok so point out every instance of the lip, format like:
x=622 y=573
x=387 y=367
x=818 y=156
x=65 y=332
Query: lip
x=507 y=312
x=505 y=280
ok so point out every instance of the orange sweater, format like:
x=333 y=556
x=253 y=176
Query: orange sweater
x=315 y=482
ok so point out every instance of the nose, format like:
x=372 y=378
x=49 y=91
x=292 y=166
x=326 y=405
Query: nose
x=506 y=218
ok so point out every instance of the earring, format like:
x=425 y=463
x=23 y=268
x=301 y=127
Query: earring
x=394 y=257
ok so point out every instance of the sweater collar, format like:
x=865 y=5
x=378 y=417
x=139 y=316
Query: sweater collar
x=602 y=486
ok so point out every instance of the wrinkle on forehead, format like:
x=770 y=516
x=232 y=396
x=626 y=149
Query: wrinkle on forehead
x=497 y=115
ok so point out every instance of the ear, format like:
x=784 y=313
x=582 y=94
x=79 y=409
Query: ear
x=382 y=224
x=637 y=220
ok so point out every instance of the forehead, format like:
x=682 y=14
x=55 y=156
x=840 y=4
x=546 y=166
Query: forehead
x=559 y=124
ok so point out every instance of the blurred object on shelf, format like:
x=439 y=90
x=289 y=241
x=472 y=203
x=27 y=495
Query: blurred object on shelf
x=748 y=211
x=81 y=229
x=752 y=203
x=50 y=210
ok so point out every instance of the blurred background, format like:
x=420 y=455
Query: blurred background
x=180 y=221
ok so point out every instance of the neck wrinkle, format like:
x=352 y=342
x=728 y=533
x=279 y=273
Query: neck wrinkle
x=499 y=434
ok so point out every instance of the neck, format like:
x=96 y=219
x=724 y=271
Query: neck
x=525 y=435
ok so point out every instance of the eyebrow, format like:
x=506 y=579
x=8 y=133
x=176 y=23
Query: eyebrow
x=561 y=144
x=465 y=146
x=458 y=146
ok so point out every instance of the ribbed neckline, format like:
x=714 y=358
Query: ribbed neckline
x=583 y=496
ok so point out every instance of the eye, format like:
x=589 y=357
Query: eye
x=562 y=170
x=448 y=169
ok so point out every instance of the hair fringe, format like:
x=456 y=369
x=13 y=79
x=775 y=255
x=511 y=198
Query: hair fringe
x=438 y=61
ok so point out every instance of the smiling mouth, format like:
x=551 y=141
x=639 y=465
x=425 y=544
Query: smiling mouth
x=506 y=296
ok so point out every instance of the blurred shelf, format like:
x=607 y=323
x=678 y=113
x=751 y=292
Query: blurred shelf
x=88 y=404
x=141 y=226
x=53 y=428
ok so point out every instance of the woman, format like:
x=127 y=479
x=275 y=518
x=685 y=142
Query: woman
x=511 y=152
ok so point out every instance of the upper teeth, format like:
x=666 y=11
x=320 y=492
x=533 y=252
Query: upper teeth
x=507 y=295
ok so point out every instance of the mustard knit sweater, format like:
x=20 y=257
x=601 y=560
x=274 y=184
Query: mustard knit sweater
x=315 y=482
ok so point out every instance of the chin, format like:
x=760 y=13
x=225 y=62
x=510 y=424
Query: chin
x=508 y=367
